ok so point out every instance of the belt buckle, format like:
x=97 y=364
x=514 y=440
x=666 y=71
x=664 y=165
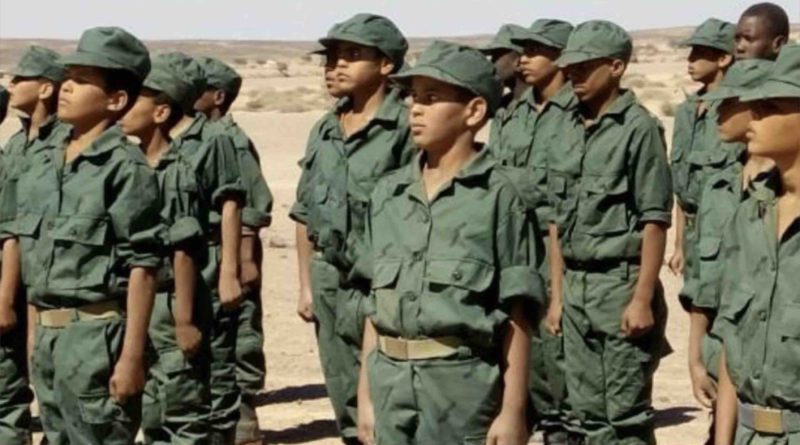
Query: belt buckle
x=768 y=420
x=396 y=348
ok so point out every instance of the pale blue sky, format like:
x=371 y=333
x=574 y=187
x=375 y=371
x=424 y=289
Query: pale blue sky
x=308 y=19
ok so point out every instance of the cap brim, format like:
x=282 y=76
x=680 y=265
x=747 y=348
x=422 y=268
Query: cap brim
x=574 y=57
x=96 y=60
x=495 y=47
x=707 y=44
x=522 y=41
x=404 y=78
x=327 y=42
x=16 y=72
x=771 y=90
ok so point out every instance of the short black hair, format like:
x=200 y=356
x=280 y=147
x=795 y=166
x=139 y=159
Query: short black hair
x=4 y=95
x=176 y=110
x=230 y=96
x=775 y=17
x=122 y=80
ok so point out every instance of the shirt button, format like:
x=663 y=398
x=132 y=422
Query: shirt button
x=757 y=375
x=425 y=218
x=418 y=256
x=457 y=275
x=411 y=296
x=762 y=316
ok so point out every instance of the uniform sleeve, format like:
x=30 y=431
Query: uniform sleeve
x=299 y=210
x=519 y=252
x=134 y=214
x=221 y=172
x=7 y=210
x=180 y=206
x=257 y=211
x=650 y=175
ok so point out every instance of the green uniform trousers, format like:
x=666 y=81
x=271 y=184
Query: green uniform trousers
x=225 y=394
x=72 y=367
x=339 y=311
x=690 y=239
x=450 y=400
x=176 y=404
x=15 y=395
x=250 y=364
x=610 y=377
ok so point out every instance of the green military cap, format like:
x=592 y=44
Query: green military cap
x=714 y=33
x=38 y=61
x=503 y=40
x=370 y=30
x=596 y=39
x=742 y=77
x=548 y=32
x=175 y=74
x=457 y=65
x=784 y=78
x=111 y=48
x=221 y=76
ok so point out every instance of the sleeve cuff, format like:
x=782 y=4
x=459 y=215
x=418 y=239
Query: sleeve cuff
x=255 y=218
x=299 y=213
x=656 y=217
x=226 y=191
x=521 y=282
x=184 y=229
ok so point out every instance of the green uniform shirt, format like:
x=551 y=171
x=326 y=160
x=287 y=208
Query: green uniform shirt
x=84 y=225
x=339 y=174
x=511 y=130
x=449 y=266
x=257 y=211
x=697 y=151
x=759 y=316
x=216 y=168
x=607 y=180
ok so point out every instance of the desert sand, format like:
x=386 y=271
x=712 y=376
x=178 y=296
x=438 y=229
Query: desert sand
x=281 y=99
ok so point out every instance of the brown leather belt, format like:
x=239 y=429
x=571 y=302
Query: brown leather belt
x=422 y=349
x=769 y=420
x=60 y=318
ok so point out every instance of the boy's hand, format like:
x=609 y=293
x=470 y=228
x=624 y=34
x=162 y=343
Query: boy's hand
x=677 y=262
x=637 y=319
x=188 y=338
x=703 y=386
x=250 y=276
x=552 y=321
x=8 y=319
x=366 y=421
x=230 y=291
x=305 y=305
x=508 y=428
x=127 y=380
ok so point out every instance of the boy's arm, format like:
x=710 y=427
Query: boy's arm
x=678 y=260
x=250 y=275
x=726 y=405
x=186 y=332
x=555 y=308
x=9 y=285
x=704 y=388
x=366 y=413
x=637 y=319
x=128 y=377
x=230 y=290
x=305 y=251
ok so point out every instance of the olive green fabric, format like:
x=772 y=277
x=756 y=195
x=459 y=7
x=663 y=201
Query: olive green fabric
x=15 y=394
x=784 y=78
x=38 y=61
x=759 y=312
x=172 y=74
x=547 y=382
x=549 y=32
x=596 y=39
x=370 y=30
x=71 y=368
x=612 y=399
x=214 y=162
x=110 y=47
x=338 y=175
x=221 y=76
x=606 y=181
x=458 y=65
x=743 y=76
x=746 y=436
x=502 y=41
x=714 y=33
x=459 y=259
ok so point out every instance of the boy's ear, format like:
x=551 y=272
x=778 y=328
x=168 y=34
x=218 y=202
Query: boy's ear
x=387 y=66
x=46 y=90
x=477 y=111
x=777 y=43
x=219 y=97
x=118 y=101
x=618 y=67
x=726 y=60
x=162 y=114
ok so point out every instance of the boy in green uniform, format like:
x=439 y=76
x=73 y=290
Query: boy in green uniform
x=721 y=196
x=89 y=253
x=455 y=257
x=223 y=84
x=545 y=104
x=215 y=163
x=176 y=403
x=365 y=136
x=610 y=181
x=34 y=93
x=697 y=152
x=761 y=31
x=759 y=316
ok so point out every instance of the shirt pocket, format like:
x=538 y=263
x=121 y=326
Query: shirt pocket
x=466 y=274
x=788 y=355
x=81 y=252
x=736 y=329
x=709 y=271
x=605 y=207
x=384 y=302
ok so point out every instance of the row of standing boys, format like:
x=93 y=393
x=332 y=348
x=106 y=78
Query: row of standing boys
x=450 y=251
x=130 y=271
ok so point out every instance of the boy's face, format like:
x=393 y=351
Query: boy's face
x=506 y=62
x=331 y=84
x=734 y=120
x=24 y=93
x=773 y=131
x=357 y=66
x=438 y=114
x=537 y=64
x=705 y=63
x=144 y=116
x=83 y=97
x=207 y=101
x=754 y=39
x=592 y=77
